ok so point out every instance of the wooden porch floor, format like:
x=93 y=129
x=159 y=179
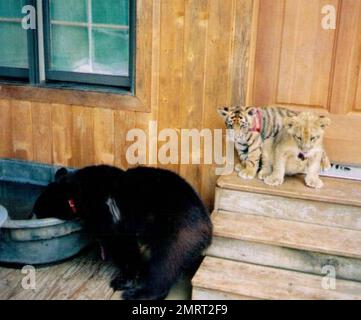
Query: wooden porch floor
x=85 y=277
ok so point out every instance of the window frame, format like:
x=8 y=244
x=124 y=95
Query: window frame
x=86 y=78
x=145 y=69
x=94 y=82
x=24 y=74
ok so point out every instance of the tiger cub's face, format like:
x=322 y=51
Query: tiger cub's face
x=307 y=130
x=238 y=118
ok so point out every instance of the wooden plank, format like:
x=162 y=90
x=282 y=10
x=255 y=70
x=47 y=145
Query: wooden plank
x=191 y=113
x=322 y=213
x=6 y=150
x=84 y=277
x=22 y=134
x=218 y=68
x=103 y=136
x=206 y=294
x=62 y=134
x=290 y=234
x=341 y=191
x=241 y=51
x=284 y=258
x=171 y=57
x=143 y=119
x=269 y=283
x=82 y=136
x=124 y=121
x=42 y=132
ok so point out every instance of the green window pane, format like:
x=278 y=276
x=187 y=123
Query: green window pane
x=111 y=12
x=111 y=51
x=69 y=10
x=69 y=49
x=11 y=8
x=13 y=39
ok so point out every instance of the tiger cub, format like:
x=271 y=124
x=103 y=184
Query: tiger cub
x=254 y=131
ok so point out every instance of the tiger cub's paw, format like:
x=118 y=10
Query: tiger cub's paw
x=238 y=167
x=273 y=180
x=264 y=173
x=247 y=173
x=314 y=182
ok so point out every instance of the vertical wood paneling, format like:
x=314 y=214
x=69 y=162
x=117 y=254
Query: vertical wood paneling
x=216 y=73
x=104 y=136
x=42 y=132
x=5 y=130
x=199 y=60
x=347 y=75
x=142 y=119
x=171 y=68
x=82 y=136
x=22 y=136
x=240 y=56
x=306 y=54
x=124 y=121
x=195 y=36
x=62 y=134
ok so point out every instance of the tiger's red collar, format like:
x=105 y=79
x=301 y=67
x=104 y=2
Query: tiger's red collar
x=257 y=122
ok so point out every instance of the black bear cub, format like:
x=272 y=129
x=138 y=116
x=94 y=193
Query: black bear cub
x=150 y=221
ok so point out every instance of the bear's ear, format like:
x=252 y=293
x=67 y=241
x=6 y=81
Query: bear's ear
x=60 y=173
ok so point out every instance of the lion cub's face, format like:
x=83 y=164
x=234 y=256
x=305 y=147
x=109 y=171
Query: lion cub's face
x=307 y=129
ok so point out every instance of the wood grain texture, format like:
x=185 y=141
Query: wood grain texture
x=284 y=258
x=192 y=55
x=22 y=130
x=42 y=132
x=5 y=130
x=206 y=294
x=322 y=213
x=62 y=126
x=268 y=283
x=104 y=148
x=195 y=36
x=290 y=234
x=338 y=191
x=299 y=64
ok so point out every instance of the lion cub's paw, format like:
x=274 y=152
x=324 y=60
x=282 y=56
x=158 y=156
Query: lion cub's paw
x=325 y=164
x=247 y=174
x=314 y=182
x=263 y=174
x=273 y=180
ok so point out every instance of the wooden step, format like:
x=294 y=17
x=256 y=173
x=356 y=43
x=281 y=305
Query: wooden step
x=233 y=278
x=317 y=212
x=289 y=234
x=285 y=258
x=338 y=191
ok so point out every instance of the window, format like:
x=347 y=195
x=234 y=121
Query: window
x=14 y=60
x=78 y=42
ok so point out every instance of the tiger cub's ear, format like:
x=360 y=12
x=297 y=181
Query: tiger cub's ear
x=251 y=111
x=323 y=122
x=223 y=111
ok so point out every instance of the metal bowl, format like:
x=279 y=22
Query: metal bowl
x=34 y=241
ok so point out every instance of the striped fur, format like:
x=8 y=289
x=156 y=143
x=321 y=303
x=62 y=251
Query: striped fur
x=248 y=141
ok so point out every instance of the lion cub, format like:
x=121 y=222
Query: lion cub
x=299 y=149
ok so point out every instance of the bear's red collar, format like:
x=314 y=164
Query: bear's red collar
x=72 y=205
x=257 y=122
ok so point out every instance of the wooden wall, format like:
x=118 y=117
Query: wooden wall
x=200 y=56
